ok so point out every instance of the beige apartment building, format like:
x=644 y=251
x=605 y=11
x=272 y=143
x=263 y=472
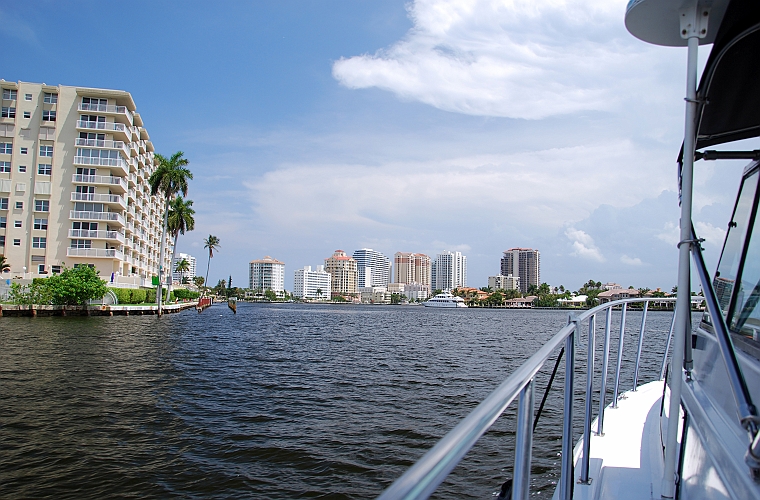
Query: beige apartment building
x=74 y=169
x=343 y=271
x=411 y=268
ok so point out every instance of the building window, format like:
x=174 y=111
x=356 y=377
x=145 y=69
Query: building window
x=22 y=168
x=41 y=224
x=43 y=169
x=3 y=203
x=41 y=205
x=81 y=243
x=9 y=94
x=8 y=112
x=27 y=97
x=6 y=148
x=19 y=205
x=16 y=223
x=3 y=223
x=94 y=102
x=17 y=242
x=50 y=98
x=24 y=151
x=27 y=114
x=39 y=242
x=55 y=269
x=46 y=151
x=41 y=269
x=48 y=116
x=2 y=241
x=87 y=226
x=5 y=166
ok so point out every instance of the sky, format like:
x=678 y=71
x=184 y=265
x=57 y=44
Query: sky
x=421 y=126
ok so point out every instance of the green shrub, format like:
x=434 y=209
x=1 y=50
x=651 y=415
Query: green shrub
x=122 y=295
x=183 y=294
x=137 y=296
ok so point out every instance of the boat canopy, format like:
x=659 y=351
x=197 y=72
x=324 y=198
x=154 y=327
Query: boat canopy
x=729 y=92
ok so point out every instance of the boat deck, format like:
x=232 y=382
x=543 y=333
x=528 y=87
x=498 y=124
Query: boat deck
x=633 y=425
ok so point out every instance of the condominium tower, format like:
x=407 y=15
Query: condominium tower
x=524 y=263
x=308 y=284
x=449 y=271
x=267 y=274
x=74 y=169
x=372 y=268
x=190 y=273
x=411 y=268
x=344 y=273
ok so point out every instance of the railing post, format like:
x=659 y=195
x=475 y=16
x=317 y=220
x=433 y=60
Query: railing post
x=641 y=345
x=589 y=388
x=620 y=355
x=605 y=364
x=667 y=345
x=566 y=477
x=524 y=444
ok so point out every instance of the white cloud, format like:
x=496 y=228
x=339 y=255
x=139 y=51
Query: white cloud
x=583 y=245
x=670 y=234
x=712 y=235
x=513 y=58
x=630 y=261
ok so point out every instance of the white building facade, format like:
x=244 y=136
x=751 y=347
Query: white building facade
x=190 y=274
x=312 y=285
x=372 y=267
x=267 y=274
x=450 y=271
x=508 y=282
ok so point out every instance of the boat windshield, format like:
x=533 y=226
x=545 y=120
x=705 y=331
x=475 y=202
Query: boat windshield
x=737 y=280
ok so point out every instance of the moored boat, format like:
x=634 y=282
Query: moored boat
x=445 y=299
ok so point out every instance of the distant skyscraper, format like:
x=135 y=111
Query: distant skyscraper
x=190 y=274
x=450 y=270
x=372 y=267
x=310 y=284
x=524 y=263
x=267 y=274
x=342 y=268
x=411 y=268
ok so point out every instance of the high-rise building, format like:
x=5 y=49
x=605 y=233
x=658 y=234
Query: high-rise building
x=74 y=169
x=524 y=263
x=267 y=274
x=411 y=268
x=343 y=270
x=314 y=285
x=450 y=270
x=504 y=282
x=190 y=274
x=373 y=268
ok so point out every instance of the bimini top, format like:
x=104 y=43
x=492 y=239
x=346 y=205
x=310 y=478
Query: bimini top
x=729 y=92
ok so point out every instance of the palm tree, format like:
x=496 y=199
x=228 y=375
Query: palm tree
x=212 y=243
x=169 y=179
x=180 y=220
x=199 y=281
x=4 y=266
x=182 y=267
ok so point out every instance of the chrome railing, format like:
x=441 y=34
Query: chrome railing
x=116 y=127
x=422 y=479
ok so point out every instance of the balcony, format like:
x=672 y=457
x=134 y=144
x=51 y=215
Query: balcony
x=111 y=199
x=100 y=180
x=117 y=111
x=98 y=216
x=96 y=235
x=100 y=253
x=117 y=163
x=97 y=143
x=108 y=127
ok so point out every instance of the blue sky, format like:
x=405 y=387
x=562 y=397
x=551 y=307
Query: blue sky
x=424 y=126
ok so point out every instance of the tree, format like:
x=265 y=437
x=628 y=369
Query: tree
x=169 y=179
x=319 y=293
x=75 y=286
x=199 y=281
x=229 y=285
x=182 y=267
x=211 y=243
x=180 y=220
x=270 y=295
x=4 y=266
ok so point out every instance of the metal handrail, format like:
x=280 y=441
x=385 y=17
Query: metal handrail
x=422 y=479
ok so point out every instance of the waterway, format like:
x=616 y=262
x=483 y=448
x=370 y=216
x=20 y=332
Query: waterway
x=278 y=401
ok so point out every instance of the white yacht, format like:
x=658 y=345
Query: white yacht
x=445 y=299
x=695 y=432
